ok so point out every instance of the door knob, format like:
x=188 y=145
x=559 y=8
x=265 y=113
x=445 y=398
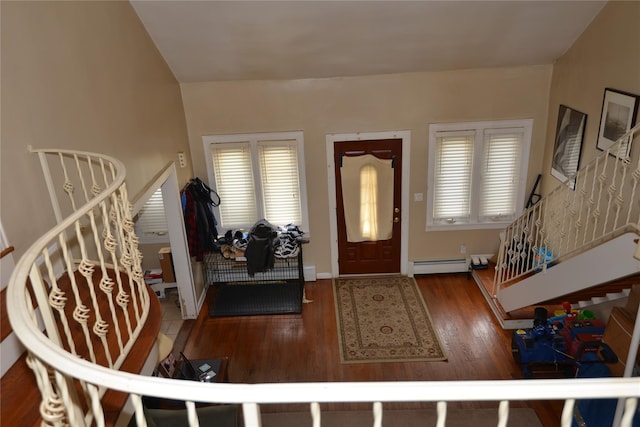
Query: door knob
x=396 y=210
x=396 y=219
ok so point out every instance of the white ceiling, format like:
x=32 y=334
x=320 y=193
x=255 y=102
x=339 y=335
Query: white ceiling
x=238 y=40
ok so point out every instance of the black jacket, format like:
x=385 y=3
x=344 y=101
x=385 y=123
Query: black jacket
x=263 y=238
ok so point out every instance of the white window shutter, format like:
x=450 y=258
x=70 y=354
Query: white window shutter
x=477 y=173
x=233 y=169
x=151 y=225
x=500 y=174
x=280 y=181
x=452 y=178
x=258 y=175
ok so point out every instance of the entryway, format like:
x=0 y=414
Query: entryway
x=191 y=292
x=368 y=190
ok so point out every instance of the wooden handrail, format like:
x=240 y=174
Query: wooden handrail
x=5 y=327
x=6 y=251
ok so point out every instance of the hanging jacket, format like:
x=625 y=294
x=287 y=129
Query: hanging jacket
x=200 y=222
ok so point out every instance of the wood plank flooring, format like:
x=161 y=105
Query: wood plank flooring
x=297 y=348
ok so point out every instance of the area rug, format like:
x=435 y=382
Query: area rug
x=518 y=417
x=384 y=319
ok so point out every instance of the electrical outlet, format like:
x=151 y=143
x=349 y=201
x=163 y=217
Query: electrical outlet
x=181 y=159
x=463 y=249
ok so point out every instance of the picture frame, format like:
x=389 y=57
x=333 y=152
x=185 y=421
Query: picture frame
x=567 y=148
x=619 y=110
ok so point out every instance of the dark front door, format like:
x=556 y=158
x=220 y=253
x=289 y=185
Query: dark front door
x=368 y=195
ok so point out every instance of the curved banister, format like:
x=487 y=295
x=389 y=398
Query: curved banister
x=6 y=251
x=87 y=309
x=60 y=371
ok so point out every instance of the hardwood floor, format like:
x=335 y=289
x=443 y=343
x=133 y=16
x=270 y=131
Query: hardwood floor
x=19 y=394
x=297 y=348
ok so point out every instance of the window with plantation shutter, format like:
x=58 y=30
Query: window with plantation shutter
x=500 y=174
x=151 y=224
x=477 y=173
x=258 y=176
x=233 y=174
x=452 y=183
x=280 y=181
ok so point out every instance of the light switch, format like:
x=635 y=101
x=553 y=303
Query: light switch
x=417 y=197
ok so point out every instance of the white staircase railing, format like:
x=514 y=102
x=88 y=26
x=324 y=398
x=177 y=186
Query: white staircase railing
x=600 y=202
x=73 y=374
x=82 y=280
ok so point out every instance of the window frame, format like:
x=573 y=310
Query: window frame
x=478 y=155
x=254 y=140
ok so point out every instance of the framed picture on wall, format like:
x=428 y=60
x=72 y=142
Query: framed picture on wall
x=619 y=111
x=568 y=143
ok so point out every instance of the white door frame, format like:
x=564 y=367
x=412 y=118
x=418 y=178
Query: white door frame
x=10 y=348
x=167 y=179
x=405 y=136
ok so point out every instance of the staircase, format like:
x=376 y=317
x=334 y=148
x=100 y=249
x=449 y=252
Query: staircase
x=93 y=329
x=588 y=298
x=577 y=244
x=82 y=285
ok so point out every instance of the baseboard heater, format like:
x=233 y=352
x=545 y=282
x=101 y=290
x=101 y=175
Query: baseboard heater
x=454 y=265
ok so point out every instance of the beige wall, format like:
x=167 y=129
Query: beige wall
x=86 y=75
x=81 y=75
x=606 y=55
x=365 y=104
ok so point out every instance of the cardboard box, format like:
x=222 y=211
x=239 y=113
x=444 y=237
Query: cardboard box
x=166 y=264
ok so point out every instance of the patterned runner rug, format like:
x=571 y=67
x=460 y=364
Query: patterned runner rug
x=384 y=319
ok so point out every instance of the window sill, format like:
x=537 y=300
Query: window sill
x=468 y=226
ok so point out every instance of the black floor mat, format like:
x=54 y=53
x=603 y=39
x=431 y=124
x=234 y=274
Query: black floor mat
x=248 y=300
